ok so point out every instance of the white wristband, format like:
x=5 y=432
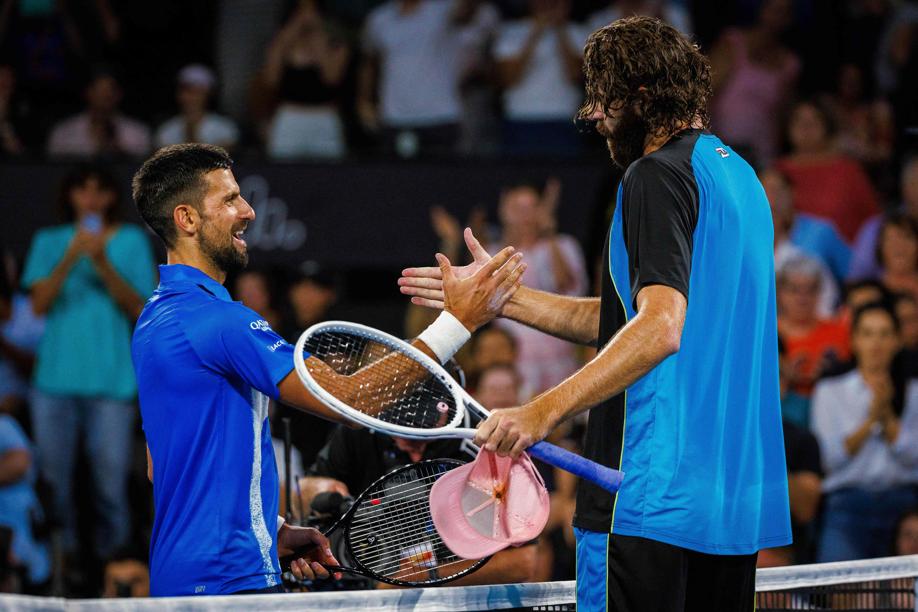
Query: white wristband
x=280 y=522
x=445 y=336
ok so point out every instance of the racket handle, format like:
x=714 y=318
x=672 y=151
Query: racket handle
x=608 y=478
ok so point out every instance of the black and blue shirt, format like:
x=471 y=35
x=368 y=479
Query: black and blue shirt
x=699 y=436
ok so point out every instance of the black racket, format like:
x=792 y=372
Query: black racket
x=390 y=536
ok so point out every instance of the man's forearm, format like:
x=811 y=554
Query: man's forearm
x=642 y=344
x=569 y=318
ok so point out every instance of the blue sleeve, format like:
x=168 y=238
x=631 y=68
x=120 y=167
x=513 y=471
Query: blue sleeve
x=236 y=342
x=40 y=260
x=839 y=253
x=11 y=435
x=133 y=259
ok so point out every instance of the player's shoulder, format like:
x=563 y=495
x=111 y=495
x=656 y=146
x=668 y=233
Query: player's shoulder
x=653 y=168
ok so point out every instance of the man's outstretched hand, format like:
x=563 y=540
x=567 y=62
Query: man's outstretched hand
x=425 y=285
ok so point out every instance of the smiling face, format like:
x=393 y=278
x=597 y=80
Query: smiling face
x=224 y=217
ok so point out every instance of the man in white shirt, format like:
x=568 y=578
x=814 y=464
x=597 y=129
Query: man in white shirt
x=101 y=129
x=415 y=55
x=194 y=123
x=539 y=66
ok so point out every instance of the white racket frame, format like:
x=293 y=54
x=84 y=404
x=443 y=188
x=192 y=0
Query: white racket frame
x=461 y=398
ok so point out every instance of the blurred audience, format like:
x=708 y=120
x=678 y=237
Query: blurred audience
x=865 y=126
x=783 y=218
x=867 y=426
x=555 y=263
x=254 y=289
x=673 y=13
x=100 y=129
x=11 y=143
x=20 y=334
x=864 y=262
x=415 y=52
x=310 y=299
x=195 y=122
x=90 y=276
x=826 y=183
x=19 y=507
x=539 y=61
x=305 y=70
x=814 y=344
x=126 y=575
x=897 y=253
x=753 y=75
x=811 y=235
x=906 y=533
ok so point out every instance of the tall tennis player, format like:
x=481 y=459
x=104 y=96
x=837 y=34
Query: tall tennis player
x=683 y=394
x=206 y=369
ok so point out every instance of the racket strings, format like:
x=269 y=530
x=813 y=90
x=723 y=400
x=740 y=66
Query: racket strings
x=379 y=380
x=392 y=533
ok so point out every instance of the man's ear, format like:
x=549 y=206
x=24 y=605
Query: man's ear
x=187 y=219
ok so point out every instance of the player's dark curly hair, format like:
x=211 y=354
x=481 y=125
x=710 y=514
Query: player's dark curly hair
x=643 y=52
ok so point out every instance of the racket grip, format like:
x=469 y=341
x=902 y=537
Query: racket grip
x=608 y=478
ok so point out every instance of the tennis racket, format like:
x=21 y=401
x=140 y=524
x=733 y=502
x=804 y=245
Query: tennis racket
x=390 y=536
x=387 y=385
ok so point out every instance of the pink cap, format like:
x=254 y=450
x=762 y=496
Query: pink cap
x=489 y=504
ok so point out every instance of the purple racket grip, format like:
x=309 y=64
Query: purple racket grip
x=608 y=478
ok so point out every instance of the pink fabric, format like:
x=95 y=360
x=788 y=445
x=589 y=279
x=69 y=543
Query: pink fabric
x=745 y=111
x=484 y=506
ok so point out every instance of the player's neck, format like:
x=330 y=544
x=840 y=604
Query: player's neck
x=655 y=141
x=195 y=259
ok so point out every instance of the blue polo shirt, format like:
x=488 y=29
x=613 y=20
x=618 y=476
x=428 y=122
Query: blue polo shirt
x=206 y=368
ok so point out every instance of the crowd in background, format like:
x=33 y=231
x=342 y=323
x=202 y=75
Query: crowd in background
x=820 y=97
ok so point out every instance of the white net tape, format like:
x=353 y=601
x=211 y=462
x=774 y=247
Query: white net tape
x=542 y=596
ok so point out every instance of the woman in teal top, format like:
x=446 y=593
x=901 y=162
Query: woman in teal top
x=90 y=277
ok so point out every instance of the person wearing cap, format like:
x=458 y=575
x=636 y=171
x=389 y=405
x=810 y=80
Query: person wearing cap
x=195 y=123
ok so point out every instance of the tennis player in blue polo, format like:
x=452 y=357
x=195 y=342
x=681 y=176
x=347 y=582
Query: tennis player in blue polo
x=683 y=394
x=206 y=369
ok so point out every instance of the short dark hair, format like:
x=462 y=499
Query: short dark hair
x=172 y=176
x=645 y=63
x=895 y=218
x=79 y=176
x=874 y=307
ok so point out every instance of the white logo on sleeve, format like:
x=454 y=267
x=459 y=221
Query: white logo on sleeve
x=200 y=589
x=260 y=325
x=723 y=152
x=277 y=345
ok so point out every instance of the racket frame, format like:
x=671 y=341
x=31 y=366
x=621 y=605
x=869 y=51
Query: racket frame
x=606 y=477
x=450 y=430
x=346 y=522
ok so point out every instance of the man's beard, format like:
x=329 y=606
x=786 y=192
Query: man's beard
x=225 y=256
x=626 y=142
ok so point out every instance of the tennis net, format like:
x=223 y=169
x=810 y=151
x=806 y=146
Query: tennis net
x=876 y=584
